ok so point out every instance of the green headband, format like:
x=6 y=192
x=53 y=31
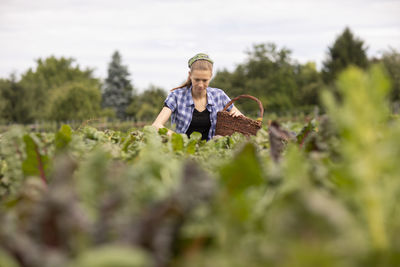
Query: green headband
x=200 y=56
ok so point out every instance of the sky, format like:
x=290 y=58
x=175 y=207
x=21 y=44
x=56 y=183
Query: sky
x=157 y=37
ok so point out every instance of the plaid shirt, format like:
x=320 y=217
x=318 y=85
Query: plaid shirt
x=181 y=103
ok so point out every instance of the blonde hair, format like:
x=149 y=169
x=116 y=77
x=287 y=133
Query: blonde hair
x=197 y=65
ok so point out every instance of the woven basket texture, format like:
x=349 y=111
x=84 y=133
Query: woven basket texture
x=227 y=124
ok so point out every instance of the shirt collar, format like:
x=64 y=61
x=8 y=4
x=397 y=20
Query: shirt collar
x=210 y=100
x=188 y=97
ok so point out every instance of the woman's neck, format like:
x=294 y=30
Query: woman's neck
x=199 y=95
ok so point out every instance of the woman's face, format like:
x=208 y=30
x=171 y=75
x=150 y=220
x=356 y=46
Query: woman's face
x=200 y=80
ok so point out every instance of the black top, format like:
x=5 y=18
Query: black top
x=200 y=123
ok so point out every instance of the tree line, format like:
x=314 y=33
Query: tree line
x=286 y=87
x=58 y=89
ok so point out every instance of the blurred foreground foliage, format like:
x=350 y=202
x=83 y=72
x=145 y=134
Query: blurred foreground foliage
x=326 y=196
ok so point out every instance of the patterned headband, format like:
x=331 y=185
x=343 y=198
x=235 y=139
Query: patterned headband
x=199 y=56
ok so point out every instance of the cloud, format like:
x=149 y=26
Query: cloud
x=157 y=37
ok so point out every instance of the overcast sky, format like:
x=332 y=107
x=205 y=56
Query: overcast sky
x=157 y=37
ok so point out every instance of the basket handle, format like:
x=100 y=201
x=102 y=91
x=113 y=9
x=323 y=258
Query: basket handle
x=251 y=97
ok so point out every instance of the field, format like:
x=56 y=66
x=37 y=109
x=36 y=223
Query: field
x=318 y=193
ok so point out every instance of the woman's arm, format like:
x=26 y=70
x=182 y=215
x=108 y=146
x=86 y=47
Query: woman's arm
x=162 y=118
x=235 y=112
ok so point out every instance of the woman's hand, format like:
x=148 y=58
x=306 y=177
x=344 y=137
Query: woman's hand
x=235 y=112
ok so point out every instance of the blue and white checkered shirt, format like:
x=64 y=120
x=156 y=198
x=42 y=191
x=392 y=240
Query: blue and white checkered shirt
x=181 y=103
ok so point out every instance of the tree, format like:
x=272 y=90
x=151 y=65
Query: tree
x=268 y=74
x=118 y=90
x=4 y=87
x=346 y=50
x=15 y=101
x=148 y=104
x=75 y=101
x=309 y=82
x=49 y=74
x=391 y=62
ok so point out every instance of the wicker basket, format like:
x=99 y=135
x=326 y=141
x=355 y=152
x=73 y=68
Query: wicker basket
x=227 y=124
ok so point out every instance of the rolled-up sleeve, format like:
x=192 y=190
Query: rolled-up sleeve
x=171 y=101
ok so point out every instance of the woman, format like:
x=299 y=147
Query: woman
x=194 y=105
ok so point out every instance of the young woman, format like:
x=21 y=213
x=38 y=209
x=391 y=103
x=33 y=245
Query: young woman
x=194 y=105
